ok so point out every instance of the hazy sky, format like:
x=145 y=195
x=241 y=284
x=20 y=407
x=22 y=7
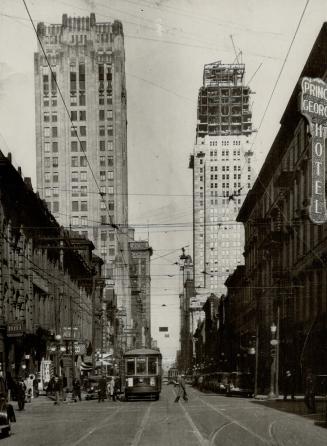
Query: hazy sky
x=167 y=43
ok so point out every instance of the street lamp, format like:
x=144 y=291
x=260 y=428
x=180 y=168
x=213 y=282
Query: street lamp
x=273 y=343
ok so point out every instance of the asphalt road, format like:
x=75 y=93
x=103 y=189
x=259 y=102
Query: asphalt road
x=204 y=420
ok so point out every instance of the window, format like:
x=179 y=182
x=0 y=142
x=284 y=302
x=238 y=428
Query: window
x=55 y=177
x=152 y=366
x=83 y=146
x=46 y=102
x=82 y=99
x=75 y=221
x=83 y=176
x=55 y=161
x=73 y=115
x=55 y=192
x=83 y=205
x=54 y=146
x=110 y=145
x=83 y=161
x=47 y=147
x=46 y=117
x=54 y=131
x=101 y=100
x=112 y=251
x=82 y=115
x=110 y=161
x=75 y=206
x=82 y=130
x=75 y=192
x=73 y=146
x=101 y=115
x=54 y=102
x=74 y=161
x=102 y=161
x=102 y=130
x=46 y=131
x=102 y=205
x=130 y=366
x=83 y=191
x=102 y=146
x=47 y=192
x=111 y=206
x=103 y=190
x=102 y=175
x=47 y=177
x=140 y=366
x=103 y=236
x=110 y=175
x=110 y=190
x=109 y=115
x=110 y=130
x=73 y=131
x=103 y=219
x=74 y=177
x=111 y=236
x=55 y=206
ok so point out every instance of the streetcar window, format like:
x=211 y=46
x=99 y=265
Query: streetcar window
x=152 y=366
x=130 y=367
x=140 y=366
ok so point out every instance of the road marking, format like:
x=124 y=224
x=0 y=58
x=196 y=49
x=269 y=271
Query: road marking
x=214 y=434
x=237 y=423
x=140 y=431
x=98 y=426
x=202 y=441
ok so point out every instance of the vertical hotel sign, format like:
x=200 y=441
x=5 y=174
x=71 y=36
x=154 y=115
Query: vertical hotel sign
x=313 y=105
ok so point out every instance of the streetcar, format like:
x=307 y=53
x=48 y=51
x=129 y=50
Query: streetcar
x=172 y=375
x=142 y=374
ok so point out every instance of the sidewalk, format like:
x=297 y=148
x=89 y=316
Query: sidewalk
x=297 y=407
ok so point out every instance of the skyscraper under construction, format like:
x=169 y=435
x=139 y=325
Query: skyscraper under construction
x=81 y=137
x=222 y=174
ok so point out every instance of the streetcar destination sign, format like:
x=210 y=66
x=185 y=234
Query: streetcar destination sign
x=313 y=105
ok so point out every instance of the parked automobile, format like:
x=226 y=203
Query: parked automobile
x=241 y=384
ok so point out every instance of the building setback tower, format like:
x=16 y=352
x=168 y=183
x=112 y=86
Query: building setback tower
x=221 y=165
x=82 y=156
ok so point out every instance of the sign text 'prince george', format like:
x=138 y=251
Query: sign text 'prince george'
x=313 y=105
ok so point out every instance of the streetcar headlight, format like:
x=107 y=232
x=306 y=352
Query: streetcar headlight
x=152 y=381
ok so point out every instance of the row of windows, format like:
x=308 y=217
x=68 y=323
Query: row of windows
x=53 y=130
x=74 y=114
x=78 y=161
x=102 y=115
x=51 y=161
x=104 y=176
x=79 y=206
x=102 y=130
x=46 y=102
x=225 y=143
x=74 y=131
x=47 y=177
x=46 y=117
x=110 y=161
x=105 y=235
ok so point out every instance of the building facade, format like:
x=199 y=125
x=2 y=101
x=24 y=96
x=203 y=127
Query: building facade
x=140 y=279
x=46 y=283
x=222 y=174
x=285 y=252
x=81 y=136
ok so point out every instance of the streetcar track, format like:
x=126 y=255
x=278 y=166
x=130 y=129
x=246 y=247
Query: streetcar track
x=139 y=432
x=237 y=423
x=100 y=425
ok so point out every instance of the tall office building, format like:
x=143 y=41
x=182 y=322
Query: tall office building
x=82 y=154
x=222 y=174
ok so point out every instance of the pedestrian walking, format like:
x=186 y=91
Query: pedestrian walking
x=102 y=389
x=309 y=397
x=112 y=389
x=57 y=389
x=181 y=389
x=77 y=390
x=20 y=394
x=289 y=385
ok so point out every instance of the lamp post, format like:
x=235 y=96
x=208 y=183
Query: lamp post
x=273 y=343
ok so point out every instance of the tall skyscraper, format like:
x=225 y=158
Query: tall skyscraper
x=82 y=154
x=222 y=174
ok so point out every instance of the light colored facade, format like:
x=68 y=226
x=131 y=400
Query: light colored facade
x=82 y=158
x=140 y=254
x=222 y=175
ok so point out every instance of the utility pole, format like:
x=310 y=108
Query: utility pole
x=93 y=323
x=72 y=337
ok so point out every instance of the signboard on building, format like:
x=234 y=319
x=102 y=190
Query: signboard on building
x=15 y=329
x=163 y=328
x=46 y=370
x=313 y=105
